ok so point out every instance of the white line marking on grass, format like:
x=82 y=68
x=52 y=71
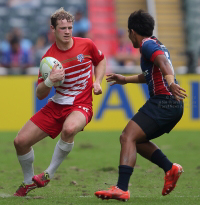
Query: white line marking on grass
x=4 y=195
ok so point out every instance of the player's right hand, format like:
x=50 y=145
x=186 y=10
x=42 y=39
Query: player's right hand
x=97 y=88
x=115 y=79
x=57 y=74
x=178 y=92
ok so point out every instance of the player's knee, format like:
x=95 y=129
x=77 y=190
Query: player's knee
x=124 y=138
x=19 y=142
x=68 y=131
x=16 y=142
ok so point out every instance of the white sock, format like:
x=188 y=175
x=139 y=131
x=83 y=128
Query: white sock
x=26 y=162
x=61 y=150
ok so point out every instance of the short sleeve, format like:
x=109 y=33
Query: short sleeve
x=96 y=54
x=150 y=50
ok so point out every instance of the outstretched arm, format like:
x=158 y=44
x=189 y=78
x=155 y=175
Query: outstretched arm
x=120 y=79
x=99 y=72
x=162 y=63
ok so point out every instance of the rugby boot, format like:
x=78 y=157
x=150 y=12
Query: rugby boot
x=41 y=179
x=24 y=189
x=171 y=178
x=113 y=193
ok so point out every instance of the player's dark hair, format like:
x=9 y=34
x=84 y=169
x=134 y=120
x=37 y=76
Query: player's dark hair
x=141 y=22
x=61 y=14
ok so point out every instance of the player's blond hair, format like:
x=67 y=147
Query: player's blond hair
x=61 y=14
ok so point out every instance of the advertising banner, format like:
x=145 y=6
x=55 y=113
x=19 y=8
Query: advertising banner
x=112 y=110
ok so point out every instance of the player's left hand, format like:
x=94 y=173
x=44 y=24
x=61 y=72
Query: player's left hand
x=97 y=88
x=178 y=92
x=57 y=74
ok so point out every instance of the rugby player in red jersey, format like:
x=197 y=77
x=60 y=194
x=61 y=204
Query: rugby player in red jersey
x=70 y=109
x=157 y=116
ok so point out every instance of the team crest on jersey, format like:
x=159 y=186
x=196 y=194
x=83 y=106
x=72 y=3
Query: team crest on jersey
x=80 y=57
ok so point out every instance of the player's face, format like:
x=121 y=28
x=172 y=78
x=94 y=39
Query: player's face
x=132 y=37
x=63 y=31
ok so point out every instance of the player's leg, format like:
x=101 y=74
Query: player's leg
x=134 y=136
x=151 y=152
x=130 y=136
x=73 y=124
x=27 y=136
x=148 y=149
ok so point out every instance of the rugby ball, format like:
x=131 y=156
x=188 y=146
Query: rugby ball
x=46 y=66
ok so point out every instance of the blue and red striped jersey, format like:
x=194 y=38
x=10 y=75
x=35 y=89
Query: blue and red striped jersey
x=150 y=48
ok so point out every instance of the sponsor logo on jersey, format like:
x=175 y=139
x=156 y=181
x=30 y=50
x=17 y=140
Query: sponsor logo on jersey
x=80 y=57
x=145 y=73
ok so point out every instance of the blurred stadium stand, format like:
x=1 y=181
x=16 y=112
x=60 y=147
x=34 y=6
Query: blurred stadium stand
x=177 y=23
x=102 y=16
x=192 y=29
x=171 y=29
x=170 y=25
x=32 y=18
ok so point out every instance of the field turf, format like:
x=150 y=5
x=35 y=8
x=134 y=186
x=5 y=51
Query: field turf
x=93 y=165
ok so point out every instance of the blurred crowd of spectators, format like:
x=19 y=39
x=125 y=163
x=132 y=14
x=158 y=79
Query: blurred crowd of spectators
x=16 y=53
x=125 y=55
x=19 y=55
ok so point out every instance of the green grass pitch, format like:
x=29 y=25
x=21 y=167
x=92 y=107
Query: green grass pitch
x=93 y=165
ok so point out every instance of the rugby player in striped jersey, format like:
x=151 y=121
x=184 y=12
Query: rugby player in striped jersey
x=70 y=109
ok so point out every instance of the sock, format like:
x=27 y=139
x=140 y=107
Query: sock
x=125 y=173
x=26 y=162
x=61 y=150
x=161 y=160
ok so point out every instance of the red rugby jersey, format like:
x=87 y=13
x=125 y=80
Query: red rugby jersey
x=77 y=62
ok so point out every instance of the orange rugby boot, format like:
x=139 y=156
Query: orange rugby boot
x=41 y=179
x=113 y=193
x=24 y=189
x=171 y=178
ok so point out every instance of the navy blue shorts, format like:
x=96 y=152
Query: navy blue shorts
x=159 y=115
